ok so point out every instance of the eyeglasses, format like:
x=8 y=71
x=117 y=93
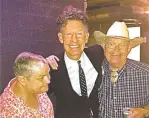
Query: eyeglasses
x=77 y=35
x=120 y=46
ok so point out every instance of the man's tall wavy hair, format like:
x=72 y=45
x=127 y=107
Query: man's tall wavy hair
x=71 y=13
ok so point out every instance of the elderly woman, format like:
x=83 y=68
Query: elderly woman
x=25 y=96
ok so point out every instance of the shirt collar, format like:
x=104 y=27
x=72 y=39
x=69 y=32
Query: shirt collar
x=69 y=62
x=106 y=67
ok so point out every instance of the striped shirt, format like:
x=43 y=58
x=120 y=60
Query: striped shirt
x=130 y=90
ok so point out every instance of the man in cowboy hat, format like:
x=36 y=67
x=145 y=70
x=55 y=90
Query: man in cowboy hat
x=125 y=82
x=128 y=86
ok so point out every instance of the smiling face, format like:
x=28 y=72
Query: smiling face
x=74 y=35
x=116 y=51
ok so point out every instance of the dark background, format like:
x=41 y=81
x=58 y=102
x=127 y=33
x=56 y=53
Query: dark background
x=28 y=25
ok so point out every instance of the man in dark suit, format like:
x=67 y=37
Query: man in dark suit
x=74 y=100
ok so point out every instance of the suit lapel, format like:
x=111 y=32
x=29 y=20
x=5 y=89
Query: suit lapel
x=92 y=57
x=62 y=70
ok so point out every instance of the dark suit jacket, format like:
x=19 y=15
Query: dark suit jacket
x=68 y=103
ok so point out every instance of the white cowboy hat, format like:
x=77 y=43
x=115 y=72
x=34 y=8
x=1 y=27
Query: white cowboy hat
x=118 y=30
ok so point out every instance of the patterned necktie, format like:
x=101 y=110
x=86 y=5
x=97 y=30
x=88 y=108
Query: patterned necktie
x=82 y=80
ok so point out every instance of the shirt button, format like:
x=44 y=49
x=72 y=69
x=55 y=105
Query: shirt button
x=114 y=97
x=115 y=110
x=114 y=85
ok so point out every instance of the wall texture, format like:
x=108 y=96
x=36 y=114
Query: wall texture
x=28 y=25
x=102 y=13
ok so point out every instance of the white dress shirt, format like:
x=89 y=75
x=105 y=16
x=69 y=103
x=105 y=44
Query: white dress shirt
x=73 y=72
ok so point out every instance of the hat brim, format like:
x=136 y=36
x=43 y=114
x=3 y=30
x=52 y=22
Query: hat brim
x=100 y=39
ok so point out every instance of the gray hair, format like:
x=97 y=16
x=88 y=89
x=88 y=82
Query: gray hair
x=24 y=62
